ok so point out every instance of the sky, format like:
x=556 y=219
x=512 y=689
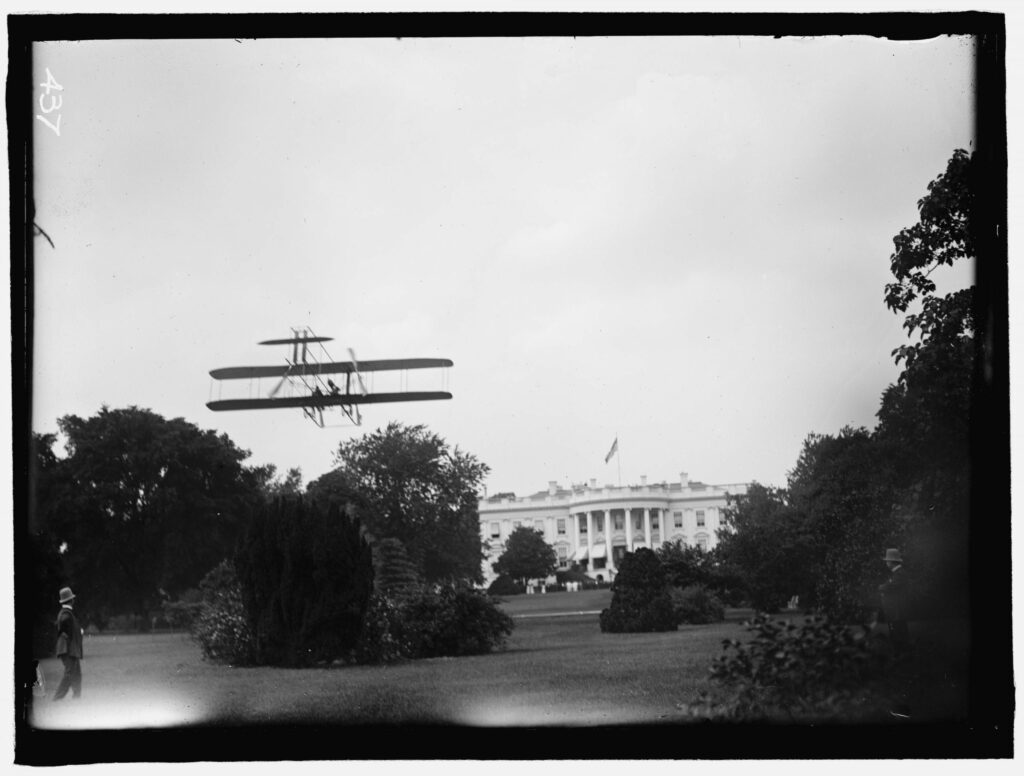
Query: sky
x=679 y=243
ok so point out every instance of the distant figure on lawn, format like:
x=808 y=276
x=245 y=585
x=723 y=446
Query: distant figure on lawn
x=69 y=647
x=893 y=593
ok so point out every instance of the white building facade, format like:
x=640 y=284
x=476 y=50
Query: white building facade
x=595 y=526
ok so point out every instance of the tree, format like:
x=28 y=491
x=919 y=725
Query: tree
x=640 y=598
x=527 y=556
x=685 y=566
x=417 y=490
x=840 y=485
x=130 y=501
x=274 y=486
x=769 y=547
x=395 y=575
x=306 y=576
x=926 y=416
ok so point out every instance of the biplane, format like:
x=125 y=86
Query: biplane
x=304 y=381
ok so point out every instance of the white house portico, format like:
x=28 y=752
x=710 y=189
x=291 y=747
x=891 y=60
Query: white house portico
x=595 y=526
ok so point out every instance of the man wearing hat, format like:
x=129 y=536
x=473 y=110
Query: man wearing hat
x=69 y=647
x=894 y=601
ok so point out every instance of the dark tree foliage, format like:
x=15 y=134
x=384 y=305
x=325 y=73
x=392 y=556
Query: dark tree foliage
x=640 y=597
x=395 y=575
x=128 y=501
x=691 y=566
x=527 y=556
x=926 y=416
x=840 y=486
x=41 y=589
x=273 y=485
x=770 y=547
x=419 y=491
x=685 y=566
x=306 y=575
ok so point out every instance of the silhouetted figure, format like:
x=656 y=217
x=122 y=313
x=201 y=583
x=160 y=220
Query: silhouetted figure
x=893 y=593
x=69 y=647
x=335 y=390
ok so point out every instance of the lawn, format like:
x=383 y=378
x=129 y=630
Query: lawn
x=555 y=670
x=579 y=692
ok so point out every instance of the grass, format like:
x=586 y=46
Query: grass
x=579 y=693
x=555 y=670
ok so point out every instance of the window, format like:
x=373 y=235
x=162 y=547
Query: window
x=677 y=519
x=563 y=556
x=702 y=543
x=495 y=530
x=599 y=523
x=700 y=518
x=619 y=522
x=638 y=523
x=561 y=526
x=583 y=526
x=655 y=522
x=538 y=525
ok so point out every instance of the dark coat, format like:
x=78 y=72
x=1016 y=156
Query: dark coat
x=894 y=596
x=69 y=634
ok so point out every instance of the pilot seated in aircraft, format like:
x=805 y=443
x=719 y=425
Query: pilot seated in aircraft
x=317 y=393
x=335 y=390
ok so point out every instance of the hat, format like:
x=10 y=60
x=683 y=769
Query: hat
x=893 y=554
x=66 y=595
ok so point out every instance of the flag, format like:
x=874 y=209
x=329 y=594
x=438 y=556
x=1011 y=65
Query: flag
x=613 y=451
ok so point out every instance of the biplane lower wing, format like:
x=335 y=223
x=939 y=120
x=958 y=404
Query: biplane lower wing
x=325 y=401
x=328 y=368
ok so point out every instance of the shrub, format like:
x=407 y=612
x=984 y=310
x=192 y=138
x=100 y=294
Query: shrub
x=306 y=577
x=394 y=574
x=640 y=599
x=453 y=621
x=183 y=612
x=383 y=638
x=505 y=585
x=221 y=627
x=818 y=671
x=695 y=605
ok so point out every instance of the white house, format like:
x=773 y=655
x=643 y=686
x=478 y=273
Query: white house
x=595 y=526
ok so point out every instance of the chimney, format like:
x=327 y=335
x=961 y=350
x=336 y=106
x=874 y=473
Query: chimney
x=593 y=483
x=684 y=478
x=552 y=487
x=643 y=480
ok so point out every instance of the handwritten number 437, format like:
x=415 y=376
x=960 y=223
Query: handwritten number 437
x=48 y=103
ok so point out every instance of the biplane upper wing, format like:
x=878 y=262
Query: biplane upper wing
x=330 y=367
x=295 y=340
x=325 y=401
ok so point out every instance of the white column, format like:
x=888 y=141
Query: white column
x=608 y=531
x=576 y=530
x=629 y=530
x=590 y=541
x=647 y=526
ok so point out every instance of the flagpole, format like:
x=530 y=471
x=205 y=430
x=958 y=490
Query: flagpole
x=618 y=457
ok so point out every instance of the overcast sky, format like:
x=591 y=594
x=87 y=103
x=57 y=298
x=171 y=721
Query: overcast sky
x=679 y=242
